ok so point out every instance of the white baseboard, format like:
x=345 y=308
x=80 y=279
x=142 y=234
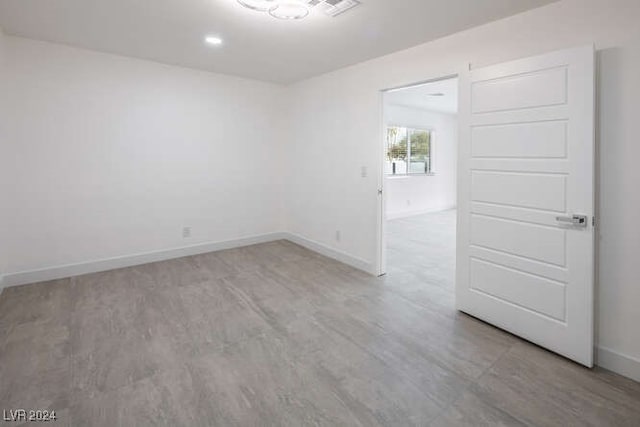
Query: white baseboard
x=338 y=255
x=622 y=364
x=69 y=270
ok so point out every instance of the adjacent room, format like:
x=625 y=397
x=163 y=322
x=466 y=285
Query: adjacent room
x=420 y=168
x=319 y=212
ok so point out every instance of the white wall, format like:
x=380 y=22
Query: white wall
x=340 y=112
x=415 y=194
x=111 y=156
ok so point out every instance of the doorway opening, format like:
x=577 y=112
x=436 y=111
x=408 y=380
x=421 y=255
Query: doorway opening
x=420 y=142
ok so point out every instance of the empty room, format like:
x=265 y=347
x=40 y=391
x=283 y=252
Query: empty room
x=319 y=212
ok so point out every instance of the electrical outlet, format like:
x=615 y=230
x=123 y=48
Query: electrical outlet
x=338 y=236
x=186 y=232
x=363 y=172
x=408 y=202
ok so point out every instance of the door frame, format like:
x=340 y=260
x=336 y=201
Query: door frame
x=381 y=241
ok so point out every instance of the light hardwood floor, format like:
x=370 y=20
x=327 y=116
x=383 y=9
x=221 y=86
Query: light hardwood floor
x=274 y=334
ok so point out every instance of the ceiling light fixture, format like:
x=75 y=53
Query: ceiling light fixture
x=298 y=9
x=259 y=5
x=289 y=10
x=213 y=40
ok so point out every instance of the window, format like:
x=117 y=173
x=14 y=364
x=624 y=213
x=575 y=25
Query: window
x=408 y=151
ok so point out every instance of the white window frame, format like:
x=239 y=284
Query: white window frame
x=432 y=139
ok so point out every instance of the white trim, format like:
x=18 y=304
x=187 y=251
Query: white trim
x=381 y=222
x=325 y=250
x=421 y=83
x=619 y=363
x=69 y=270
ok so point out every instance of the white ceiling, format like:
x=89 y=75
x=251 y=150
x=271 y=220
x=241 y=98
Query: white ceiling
x=422 y=96
x=255 y=44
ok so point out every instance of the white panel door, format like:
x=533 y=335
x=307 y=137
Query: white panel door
x=525 y=249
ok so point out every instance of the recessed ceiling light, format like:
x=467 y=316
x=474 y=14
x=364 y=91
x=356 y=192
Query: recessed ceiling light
x=213 y=40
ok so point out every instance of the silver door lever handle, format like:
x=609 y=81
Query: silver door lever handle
x=579 y=220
